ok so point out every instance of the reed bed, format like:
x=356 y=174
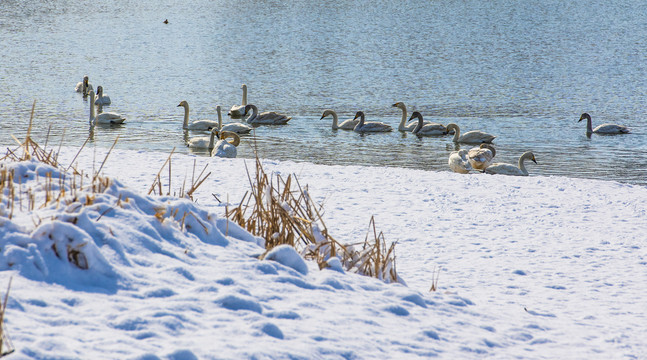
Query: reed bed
x=281 y=211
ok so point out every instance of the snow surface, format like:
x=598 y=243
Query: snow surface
x=530 y=267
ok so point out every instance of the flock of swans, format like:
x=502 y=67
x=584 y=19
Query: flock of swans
x=463 y=161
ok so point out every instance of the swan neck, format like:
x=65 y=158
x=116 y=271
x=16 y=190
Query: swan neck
x=92 y=113
x=252 y=117
x=404 y=117
x=522 y=166
x=419 y=125
x=457 y=132
x=212 y=140
x=589 y=126
x=244 y=95
x=185 y=124
x=335 y=120
x=361 y=120
x=219 y=120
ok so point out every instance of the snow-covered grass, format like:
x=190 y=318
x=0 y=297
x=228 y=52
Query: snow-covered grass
x=531 y=267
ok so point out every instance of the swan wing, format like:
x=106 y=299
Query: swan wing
x=237 y=128
x=476 y=137
x=237 y=111
x=504 y=169
x=349 y=124
x=110 y=118
x=223 y=148
x=199 y=142
x=611 y=129
x=203 y=125
x=374 y=126
x=271 y=118
x=458 y=162
x=480 y=158
x=432 y=129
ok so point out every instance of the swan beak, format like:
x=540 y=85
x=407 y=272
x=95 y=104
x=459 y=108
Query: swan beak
x=179 y=105
x=533 y=160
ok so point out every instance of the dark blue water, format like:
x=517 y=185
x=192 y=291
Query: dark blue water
x=521 y=70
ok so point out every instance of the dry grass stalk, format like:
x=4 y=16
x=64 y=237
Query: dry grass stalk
x=6 y=347
x=281 y=215
x=434 y=279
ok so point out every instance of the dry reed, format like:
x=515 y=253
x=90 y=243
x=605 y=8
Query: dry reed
x=6 y=347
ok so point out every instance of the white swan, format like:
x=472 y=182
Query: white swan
x=83 y=86
x=198 y=124
x=370 y=126
x=265 y=118
x=103 y=118
x=470 y=137
x=238 y=111
x=235 y=127
x=481 y=157
x=101 y=99
x=224 y=148
x=458 y=162
x=203 y=142
x=345 y=125
x=509 y=169
x=604 y=129
x=429 y=129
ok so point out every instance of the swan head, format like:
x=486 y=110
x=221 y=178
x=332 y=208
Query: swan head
x=228 y=134
x=489 y=147
x=585 y=116
x=531 y=156
x=416 y=114
x=99 y=90
x=243 y=87
x=399 y=105
x=326 y=113
x=183 y=103
x=249 y=107
x=86 y=79
x=359 y=114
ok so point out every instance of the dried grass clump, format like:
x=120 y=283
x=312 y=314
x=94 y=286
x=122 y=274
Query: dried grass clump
x=281 y=211
x=6 y=347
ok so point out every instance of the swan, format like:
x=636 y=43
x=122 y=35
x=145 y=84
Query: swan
x=345 y=125
x=509 y=169
x=101 y=99
x=203 y=142
x=404 y=126
x=83 y=86
x=458 y=162
x=236 y=127
x=470 y=137
x=604 y=129
x=265 y=118
x=481 y=157
x=224 y=148
x=103 y=118
x=428 y=129
x=370 y=126
x=238 y=111
x=198 y=124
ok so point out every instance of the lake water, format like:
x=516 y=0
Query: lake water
x=521 y=70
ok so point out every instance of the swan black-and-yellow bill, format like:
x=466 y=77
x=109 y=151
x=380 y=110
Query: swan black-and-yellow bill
x=225 y=148
x=470 y=137
x=265 y=118
x=364 y=126
x=198 y=124
x=345 y=125
x=235 y=127
x=481 y=157
x=426 y=129
x=105 y=117
x=458 y=162
x=604 y=129
x=509 y=169
x=238 y=111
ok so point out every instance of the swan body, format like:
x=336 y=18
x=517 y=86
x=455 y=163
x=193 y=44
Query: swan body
x=238 y=111
x=265 y=118
x=369 y=126
x=509 y=169
x=224 y=148
x=83 y=86
x=203 y=142
x=345 y=125
x=470 y=137
x=481 y=157
x=429 y=129
x=103 y=118
x=458 y=162
x=101 y=99
x=604 y=129
x=236 y=127
x=198 y=124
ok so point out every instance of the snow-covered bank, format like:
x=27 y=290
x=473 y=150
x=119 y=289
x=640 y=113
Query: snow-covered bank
x=536 y=267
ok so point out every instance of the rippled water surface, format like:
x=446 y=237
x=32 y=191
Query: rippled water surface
x=521 y=70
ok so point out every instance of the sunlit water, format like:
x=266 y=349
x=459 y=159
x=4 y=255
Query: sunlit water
x=521 y=70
